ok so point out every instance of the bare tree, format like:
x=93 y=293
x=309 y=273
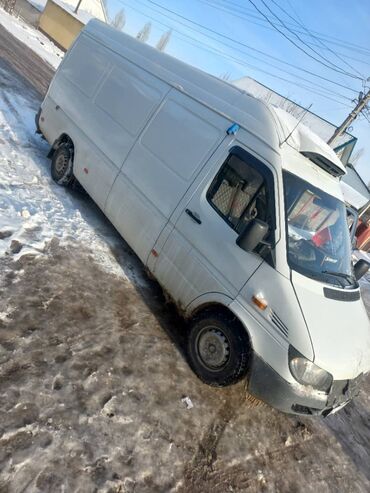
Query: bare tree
x=119 y=20
x=144 y=33
x=164 y=40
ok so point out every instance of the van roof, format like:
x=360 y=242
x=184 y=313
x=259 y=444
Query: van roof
x=264 y=121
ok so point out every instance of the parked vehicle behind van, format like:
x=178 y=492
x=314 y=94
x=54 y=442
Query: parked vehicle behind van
x=233 y=206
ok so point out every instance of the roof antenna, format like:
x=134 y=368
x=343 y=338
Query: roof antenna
x=298 y=122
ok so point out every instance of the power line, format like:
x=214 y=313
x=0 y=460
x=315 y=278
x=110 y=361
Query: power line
x=247 y=18
x=291 y=31
x=244 y=45
x=366 y=116
x=300 y=23
x=330 y=39
x=209 y=48
x=296 y=45
x=258 y=59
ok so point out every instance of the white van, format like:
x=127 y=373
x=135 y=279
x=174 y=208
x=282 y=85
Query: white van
x=233 y=206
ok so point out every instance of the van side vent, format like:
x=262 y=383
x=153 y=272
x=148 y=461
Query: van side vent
x=324 y=163
x=279 y=324
x=333 y=294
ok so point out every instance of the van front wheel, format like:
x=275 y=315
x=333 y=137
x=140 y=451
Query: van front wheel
x=218 y=349
x=62 y=165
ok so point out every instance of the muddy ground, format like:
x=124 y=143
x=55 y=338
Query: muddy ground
x=91 y=380
x=93 y=371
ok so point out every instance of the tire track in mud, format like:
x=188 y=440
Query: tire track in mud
x=260 y=470
x=200 y=467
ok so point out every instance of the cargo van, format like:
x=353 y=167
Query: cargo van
x=235 y=208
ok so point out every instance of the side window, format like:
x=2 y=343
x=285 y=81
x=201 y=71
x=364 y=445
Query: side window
x=239 y=193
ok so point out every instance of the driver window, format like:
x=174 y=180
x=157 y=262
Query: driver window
x=238 y=193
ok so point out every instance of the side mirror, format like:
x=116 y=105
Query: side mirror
x=360 y=268
x=254 y=233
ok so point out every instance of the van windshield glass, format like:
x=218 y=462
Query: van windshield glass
x=318 y=235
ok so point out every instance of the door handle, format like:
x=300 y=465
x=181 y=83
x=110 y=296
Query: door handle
x=194 y=216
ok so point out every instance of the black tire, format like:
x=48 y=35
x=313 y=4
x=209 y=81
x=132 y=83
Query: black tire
x=62 y=165
x=218 y=349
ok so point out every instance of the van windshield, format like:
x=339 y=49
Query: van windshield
x=318 y=234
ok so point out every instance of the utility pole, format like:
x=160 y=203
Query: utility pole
x=362 y=102
x=77 y=7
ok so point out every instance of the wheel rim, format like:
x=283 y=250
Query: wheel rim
x=61 y=164
x=213 y=348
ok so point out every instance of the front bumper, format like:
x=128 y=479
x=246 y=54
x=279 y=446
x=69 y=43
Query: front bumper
x=267 y=385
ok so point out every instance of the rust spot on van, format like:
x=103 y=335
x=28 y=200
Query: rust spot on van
x=86 y=171
x=155 y=253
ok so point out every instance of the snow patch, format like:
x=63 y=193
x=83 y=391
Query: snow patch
x=34 y=211
x=38 y=4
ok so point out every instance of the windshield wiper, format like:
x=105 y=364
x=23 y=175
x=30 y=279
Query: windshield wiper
x=348 y=277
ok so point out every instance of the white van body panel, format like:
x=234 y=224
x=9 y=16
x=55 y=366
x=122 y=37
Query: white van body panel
x=223 y=98
x=192 y=261
x=159 y=170
x=106 y=93
x=273 y=348
x=283 y=317
x=150 y=136
x=339 y=330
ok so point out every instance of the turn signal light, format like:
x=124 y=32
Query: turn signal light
x=260 y=302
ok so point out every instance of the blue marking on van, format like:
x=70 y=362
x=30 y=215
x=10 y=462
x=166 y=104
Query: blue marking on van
x=233 y=129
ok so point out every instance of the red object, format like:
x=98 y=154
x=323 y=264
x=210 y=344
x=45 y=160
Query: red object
x=155 y=253
x=321 y=237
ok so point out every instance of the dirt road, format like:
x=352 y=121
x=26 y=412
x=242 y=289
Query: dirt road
x=92 y=367
x=29 y=66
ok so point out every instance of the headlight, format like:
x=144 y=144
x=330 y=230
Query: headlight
x=307 y=373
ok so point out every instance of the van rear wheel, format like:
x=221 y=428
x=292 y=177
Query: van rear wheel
x=218 y=349
x=62 y=165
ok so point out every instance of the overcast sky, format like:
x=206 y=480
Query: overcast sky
x=337 y=30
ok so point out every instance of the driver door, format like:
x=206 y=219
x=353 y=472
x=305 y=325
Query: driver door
x=200 y=255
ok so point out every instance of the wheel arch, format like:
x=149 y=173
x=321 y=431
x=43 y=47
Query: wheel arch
x=64 y=138
x=219 y=306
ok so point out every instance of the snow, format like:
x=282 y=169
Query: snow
x=38 y=4
x=32 y=210
x=34 y=39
